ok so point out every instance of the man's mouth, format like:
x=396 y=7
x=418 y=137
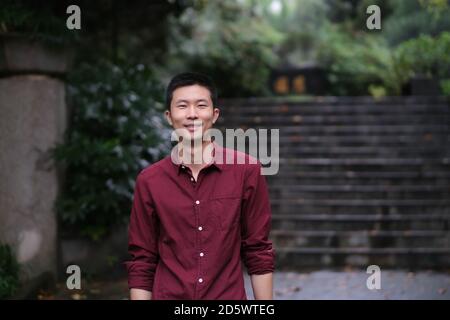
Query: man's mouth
x=192 y=127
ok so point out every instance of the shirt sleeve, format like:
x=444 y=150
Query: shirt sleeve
x=256 y=248
x=142 y=239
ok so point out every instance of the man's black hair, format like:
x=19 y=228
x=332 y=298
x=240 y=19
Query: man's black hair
x=188 y=79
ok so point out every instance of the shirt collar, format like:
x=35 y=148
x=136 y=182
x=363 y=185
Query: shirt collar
x=217 y=161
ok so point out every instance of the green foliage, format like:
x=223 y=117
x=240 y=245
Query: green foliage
x=44 y=23
x=426 y=55
x=445 y=87
x=412 y=18
x=226 y=40
x=301 y=22
x=362 y=64
x=9 y=272
x=116 y=130
x=357 y=63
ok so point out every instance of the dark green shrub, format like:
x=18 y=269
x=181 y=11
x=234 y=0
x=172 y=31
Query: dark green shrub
x=116 y=129
x=227 y=41
x=46 y=23
x=356 y=62
x=9 y=272
x=425 y=55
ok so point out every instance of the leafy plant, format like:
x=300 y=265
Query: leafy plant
x=357 y=63
x=9 y=272
x=445 y=87
x=31 y=19
x=413 y=18
x=116 y=130
x=426 y=55
x=226 y=40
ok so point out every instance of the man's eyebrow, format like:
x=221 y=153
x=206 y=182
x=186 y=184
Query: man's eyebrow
x=184 y=100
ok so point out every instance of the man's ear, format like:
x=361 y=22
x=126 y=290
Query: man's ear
x=216 y=115
x=168 y=116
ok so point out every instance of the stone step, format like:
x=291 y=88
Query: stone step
x=360 y=188
x=285 y=170
x=279 y=120
x=317 y=208
x=342 y=192
x=336 y=191
x=350 y=175
x=376 y=129
x=306 y=151
x=289 y=109
x=358 y=206
x=359 y=222
x=276 y=184
x=415 y=258
x=362 y=140
x=363 y=217
x=352 y=239
x=293 y=152
x=341 y=101
x=297 y=163
x=362 y=203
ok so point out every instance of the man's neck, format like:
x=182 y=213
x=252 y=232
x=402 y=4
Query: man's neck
x=199 y=155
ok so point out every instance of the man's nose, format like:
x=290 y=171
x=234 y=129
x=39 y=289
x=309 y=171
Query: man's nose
x=192 y=113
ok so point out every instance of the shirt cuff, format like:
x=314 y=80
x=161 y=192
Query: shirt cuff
x=260 y=262
x=140 y=275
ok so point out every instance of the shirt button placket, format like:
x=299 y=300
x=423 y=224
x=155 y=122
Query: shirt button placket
x=200 y=228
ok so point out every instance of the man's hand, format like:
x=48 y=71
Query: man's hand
x=262 y=286
x=140 y=294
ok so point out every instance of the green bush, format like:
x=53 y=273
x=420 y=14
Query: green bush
x=357 y=63
x=9 y=272
x=227 y=41
x=426 y=56
x=445 y=87
x=46 y=23
x=413 y=18
x=116 y=129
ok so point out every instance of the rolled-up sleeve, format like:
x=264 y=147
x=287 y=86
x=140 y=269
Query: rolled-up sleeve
x=142 y=239
x=257 y=252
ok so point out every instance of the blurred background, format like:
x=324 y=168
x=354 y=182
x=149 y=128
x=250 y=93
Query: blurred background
x=364 y=135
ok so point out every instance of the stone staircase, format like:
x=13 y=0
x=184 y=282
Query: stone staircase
x=361 y=181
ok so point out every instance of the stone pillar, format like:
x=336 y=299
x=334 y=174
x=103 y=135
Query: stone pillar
x=32 y=121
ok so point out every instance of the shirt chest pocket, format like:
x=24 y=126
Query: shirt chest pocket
x=226 y=211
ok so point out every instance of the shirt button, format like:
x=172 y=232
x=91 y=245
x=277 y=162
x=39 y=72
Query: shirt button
x=182 y=167
x=197 y=202
x=201 y=254
x=200 y=228
x=200 y=280
x=192 y=179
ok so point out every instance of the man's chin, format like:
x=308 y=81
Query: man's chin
x=194 y=137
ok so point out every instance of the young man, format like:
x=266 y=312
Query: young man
x=193 y=222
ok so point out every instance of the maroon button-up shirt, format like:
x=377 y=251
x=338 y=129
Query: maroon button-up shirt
x=188 y=239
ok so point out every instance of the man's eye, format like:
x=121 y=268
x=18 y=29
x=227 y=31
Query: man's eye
x=202 y=106
x=181 y=106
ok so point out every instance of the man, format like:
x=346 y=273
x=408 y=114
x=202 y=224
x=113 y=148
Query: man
x=193 y=222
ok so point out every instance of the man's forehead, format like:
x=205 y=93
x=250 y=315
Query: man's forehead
x=195 y=91
x=192 y=93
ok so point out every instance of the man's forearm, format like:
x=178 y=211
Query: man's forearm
x=140 y=294
x=262 y=285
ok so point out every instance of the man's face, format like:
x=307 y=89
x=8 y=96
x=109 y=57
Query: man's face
x=192 y=109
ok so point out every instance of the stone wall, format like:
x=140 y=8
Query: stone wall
x=32 y=121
